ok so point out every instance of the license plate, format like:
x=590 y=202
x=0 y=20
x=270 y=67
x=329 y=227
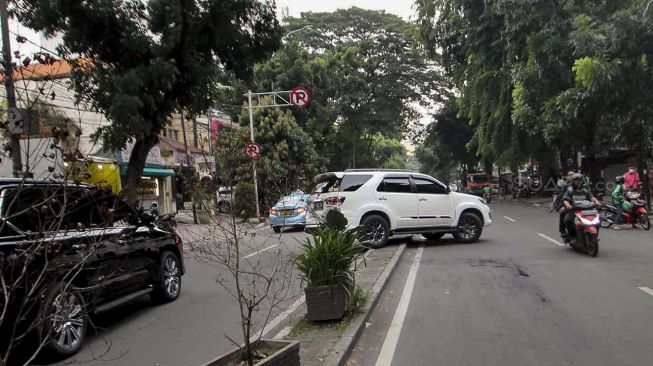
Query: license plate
x=286 y=212
x=590 y=212
x=318 y=206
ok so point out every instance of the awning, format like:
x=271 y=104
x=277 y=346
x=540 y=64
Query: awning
x=150 y=171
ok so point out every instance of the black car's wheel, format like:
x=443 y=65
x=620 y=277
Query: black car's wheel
x=375 y=230
x=469 y=228
x=433 y=236
x=63 y=320
x=644 y=221
x=169 y=286
x=607 y=218
x=277 y=229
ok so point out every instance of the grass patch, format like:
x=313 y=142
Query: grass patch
x=358 y=302
x=299 y=328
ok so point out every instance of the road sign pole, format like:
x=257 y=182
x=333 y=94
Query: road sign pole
x=251 y=134
x=9 y=85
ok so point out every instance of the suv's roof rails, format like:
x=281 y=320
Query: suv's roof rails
x=380 y=170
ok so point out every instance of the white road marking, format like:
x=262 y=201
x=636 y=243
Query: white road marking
x=281 y=317
x=392 y=338
x=260 y=251
x=283 y=333
x=508 y=218
x=647 y=290
x=552 y=240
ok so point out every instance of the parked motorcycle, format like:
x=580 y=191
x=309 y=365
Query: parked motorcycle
x=636 y=215
x=587 y=222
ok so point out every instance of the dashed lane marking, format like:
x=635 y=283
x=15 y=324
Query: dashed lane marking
x=510 y=219
x=552 y=240
x=260 y=251
x=647 y=290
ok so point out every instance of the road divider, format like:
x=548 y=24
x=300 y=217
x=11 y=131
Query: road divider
x=552 y=240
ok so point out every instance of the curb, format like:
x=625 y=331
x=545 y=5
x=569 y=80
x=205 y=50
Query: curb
x=342 y=350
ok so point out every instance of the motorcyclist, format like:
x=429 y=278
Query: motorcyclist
x=558 y=205
x=618 y=200
x=576 y=192
x=487 y=191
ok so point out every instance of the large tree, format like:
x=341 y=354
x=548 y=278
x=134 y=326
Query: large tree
x=367 y=74
x=138 y=62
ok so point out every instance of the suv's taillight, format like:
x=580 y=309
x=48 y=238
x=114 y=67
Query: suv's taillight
x=334 y=201
x=177 y=240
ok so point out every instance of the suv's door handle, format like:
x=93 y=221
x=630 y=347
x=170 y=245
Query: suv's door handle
x=423 y=199
x=382 y=199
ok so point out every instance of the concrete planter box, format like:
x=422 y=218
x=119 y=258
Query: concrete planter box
x=326 y=302
x=285 y=354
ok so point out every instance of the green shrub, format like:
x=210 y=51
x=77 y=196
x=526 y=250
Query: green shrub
x=329 y=257
x=244 y=200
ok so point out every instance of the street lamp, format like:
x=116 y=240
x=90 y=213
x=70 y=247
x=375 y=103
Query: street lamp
x=296 y=31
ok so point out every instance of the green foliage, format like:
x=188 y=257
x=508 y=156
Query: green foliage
x=366 y=72
x=335 y=220
x=529 y=72
x=244 y=200
x=358 y=302
x=328 y=258
x=141 y=61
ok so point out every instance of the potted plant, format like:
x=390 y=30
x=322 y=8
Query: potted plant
x=328 y=265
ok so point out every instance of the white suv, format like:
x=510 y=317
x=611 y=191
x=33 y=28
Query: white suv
x=393 y=202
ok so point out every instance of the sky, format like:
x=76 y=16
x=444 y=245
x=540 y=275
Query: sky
x=403 y=8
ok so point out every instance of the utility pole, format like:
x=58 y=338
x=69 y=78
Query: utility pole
x=643 y=169
x=195 y=141
x=9 y=85
x=183 y=132
x=251 y=135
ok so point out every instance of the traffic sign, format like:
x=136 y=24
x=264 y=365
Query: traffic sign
x=300 y=97
x=253 y=150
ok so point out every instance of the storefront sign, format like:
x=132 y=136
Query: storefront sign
x=153 y=157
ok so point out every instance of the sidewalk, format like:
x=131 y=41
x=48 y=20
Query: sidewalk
x=330 y=343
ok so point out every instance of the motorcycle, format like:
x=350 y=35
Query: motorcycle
x=587 y=223
x=487 y=196
x=636 y=215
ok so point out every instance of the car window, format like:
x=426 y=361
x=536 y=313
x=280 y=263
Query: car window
x=395 y=184
x=351 y=182
x=28 y=209
x=426 y=186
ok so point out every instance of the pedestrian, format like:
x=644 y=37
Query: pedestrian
x=631 y=178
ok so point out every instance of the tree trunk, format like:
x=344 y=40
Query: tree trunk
x=136 y=165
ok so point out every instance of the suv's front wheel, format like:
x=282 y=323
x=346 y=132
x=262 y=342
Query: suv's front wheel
x=469 y=228
x=376 y=230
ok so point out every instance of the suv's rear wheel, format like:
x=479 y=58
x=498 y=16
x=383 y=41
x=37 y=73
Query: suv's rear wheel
x=169 y=285
x=64 y=320
x=469 y=228
x=433 y=236
x=375 y=230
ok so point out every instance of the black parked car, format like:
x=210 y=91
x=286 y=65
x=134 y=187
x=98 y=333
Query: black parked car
x=65 y=255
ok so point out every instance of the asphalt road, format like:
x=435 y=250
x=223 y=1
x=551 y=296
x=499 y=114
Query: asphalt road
x=191 y=330
x=516 y=298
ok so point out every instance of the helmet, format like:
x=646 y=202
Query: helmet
x=577 y=176
x=619 y=179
